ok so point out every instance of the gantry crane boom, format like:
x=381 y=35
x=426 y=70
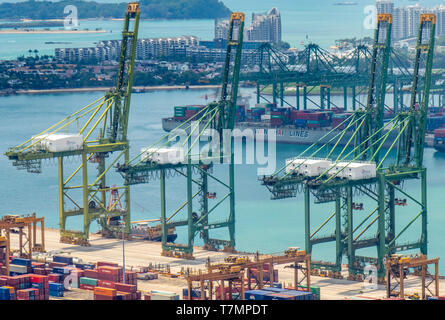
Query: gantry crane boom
x=377 y=87
x=106 y=119
x=218 y=115
x=418 y=108
x=405 y=132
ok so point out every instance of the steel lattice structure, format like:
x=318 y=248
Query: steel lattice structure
x=219 y=116
x=346 y=227
x=104 y=133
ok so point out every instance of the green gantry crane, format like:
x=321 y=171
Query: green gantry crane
x=219 y=116
x=351 y=226
x=102 y=138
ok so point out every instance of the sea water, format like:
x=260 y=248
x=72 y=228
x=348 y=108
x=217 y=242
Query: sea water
x=261 y=224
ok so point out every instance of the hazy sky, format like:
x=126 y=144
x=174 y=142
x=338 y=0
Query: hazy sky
x=259 y=5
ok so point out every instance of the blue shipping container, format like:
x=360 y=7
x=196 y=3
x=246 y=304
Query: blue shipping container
x=21 y=262
x=257 y=295
x=63 y=259
x=56 y=293
x=53 y=286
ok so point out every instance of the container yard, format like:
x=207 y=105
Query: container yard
x=359 y=170
x=96 y=272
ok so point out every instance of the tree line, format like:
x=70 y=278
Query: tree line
x=150 y=9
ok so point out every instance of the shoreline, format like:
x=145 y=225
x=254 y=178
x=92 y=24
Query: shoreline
x=95 y=89
x=33 y=31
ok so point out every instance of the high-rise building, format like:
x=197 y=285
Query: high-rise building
x=440 y=12
x=400 y=23
x=221 y=28
x=264 y=27
x=406 y=19
x=385 y=6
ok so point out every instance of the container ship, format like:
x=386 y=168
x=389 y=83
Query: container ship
x=295 y=126
x=142 y=231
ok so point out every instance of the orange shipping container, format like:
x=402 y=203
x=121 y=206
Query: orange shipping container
x=105 y=291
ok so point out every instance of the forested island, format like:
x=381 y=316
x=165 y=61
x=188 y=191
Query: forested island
x=150 y=9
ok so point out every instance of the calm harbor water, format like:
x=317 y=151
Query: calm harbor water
x=281 y=221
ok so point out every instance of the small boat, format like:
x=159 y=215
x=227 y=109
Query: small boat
x=346 y=3
x=142 y=230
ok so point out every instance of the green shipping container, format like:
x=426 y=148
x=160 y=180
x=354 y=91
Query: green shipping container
x=315 y=291
x=276 y=116
x=193 y=108
x=90 y=281
x=313 y=122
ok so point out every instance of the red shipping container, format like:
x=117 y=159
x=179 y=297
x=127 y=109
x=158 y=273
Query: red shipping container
x=147 y=297
x=106 y=284
x=86 y=286
x=41 y=271
x=276 y=122
x=39 y=279
x=109 y=264
x=123 y=287
x=110 y=270
x=55 y=277
x=57 y=264
x=102 y=297
x=190 y=113
x=108 y=277
x=439 y=133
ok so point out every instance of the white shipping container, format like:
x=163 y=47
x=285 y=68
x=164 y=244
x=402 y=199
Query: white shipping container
x=163 y=155
x=307 y=167
x=314 y=167
x=337 y=170
x=265 y=117
x=292 y=165
x=58 y=142
x=17 y=268
x=360 y=170
x=161 y=295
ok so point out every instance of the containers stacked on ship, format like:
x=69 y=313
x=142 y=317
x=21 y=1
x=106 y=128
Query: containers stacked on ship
x=254 y=114
x=182 y=113
x=439 y=139
x=434 y=122
x=311 y=119
x=179 y=114
x=240 y=113
x=339 y=119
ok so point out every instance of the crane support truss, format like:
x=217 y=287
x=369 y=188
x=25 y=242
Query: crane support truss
x=104 y=139
x=353 y=230
x=397 y=269
x=297 y=260
x=26 y=228
x=219 y=116
x=317 y=74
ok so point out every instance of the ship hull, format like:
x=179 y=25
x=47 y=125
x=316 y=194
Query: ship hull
x=288 y=134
